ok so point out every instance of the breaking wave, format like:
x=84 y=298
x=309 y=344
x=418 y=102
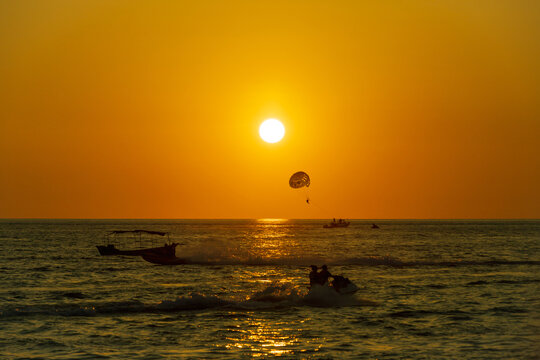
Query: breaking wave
x=277 y=295
x=359 y=261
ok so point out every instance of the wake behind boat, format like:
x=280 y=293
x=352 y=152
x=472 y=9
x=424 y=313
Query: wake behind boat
x=164 y=260
x=141 y=242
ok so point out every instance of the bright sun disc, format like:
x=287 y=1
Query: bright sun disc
x=272 y=130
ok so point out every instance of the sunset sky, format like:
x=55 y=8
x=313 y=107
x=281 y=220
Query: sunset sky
x=151 y=109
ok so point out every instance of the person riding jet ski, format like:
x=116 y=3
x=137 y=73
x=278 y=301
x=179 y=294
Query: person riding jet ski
x=324 y=274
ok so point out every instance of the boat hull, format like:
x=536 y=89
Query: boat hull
x=336 y=225
x=167 y=251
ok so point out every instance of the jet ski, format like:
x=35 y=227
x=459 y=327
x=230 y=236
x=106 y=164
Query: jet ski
x=343 y=285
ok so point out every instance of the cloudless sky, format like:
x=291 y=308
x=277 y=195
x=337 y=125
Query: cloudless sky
x=150 y=109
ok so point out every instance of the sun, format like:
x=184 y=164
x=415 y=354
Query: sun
x=272 y=130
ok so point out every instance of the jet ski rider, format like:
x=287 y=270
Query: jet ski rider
x=324 y=274
x=319 y=278
x=313 y=276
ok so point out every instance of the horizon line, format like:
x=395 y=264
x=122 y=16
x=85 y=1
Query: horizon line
x=270 y=218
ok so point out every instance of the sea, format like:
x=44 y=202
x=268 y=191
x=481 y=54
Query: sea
x=427 y=290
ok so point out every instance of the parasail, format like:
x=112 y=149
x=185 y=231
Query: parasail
x=299 y=179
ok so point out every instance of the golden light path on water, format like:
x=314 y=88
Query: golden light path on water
x=265 y=338
x=272 y=239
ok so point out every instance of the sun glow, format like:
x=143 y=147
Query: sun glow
x=272 y=130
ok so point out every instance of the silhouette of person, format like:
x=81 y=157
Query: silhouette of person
x=324 y=275
x=313 y=275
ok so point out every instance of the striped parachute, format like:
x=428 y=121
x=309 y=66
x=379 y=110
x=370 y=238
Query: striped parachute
x=299 y=179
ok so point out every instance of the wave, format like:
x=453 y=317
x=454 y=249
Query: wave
x=277 y=295
x=455 y=314
x=504 y=281
x=211 y=252
x=471 y=263
x=359 y=261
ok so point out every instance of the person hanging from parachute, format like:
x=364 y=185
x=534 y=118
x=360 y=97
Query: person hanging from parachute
x=299 y=180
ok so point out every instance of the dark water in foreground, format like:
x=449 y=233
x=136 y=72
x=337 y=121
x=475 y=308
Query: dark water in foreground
x=428 y=290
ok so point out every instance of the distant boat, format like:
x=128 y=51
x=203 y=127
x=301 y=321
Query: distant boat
x=374 y=226
x=141 y=244
x=337 y=224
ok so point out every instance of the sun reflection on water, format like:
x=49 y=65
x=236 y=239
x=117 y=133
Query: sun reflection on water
x=273 y=238
x=271 y=220
x=262 y=338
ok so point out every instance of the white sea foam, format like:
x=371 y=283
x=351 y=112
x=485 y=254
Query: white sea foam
x=273 y=296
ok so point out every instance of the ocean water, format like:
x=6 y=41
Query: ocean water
x=428 y=290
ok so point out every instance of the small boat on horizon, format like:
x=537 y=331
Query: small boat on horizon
x=337 y=224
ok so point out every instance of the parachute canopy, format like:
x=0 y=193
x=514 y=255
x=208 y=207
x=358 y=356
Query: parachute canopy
x=299 y=179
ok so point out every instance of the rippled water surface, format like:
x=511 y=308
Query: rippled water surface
x=428 y=289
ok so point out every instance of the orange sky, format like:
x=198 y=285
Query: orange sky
x=150 y=109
